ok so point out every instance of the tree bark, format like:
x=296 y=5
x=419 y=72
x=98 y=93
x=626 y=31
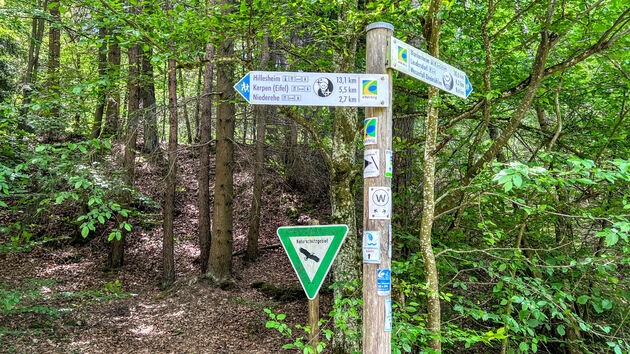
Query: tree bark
x=204 y=160
x=54 y=55
x=37 y=34
x=116 y=257
x=147 y=97
x=432 y=31
x=168 y=257
x=254 y=212
x=102 y=73
x=112 y=111
x=199 y=91
x=185 y=105
x=222 y=239
x=347 y=265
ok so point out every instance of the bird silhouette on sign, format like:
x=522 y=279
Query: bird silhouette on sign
x=309 y=255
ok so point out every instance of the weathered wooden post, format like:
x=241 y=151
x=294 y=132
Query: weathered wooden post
x=313 y=322
x=377 y=201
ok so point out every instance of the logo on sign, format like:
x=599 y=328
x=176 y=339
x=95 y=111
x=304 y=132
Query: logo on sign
x=447 y=80
x=323 y=87
x=402 y=54
x=370 y=131
x=383 y=282
x=369 y=89
x=380 y=197
x=380 y=203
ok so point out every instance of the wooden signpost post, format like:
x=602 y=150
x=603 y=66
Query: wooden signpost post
x=377 y=202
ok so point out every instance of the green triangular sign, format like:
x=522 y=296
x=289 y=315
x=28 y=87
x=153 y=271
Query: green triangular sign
x=312 y=250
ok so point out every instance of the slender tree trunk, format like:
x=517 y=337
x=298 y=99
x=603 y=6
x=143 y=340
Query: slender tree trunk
x=147 y=96
x=185 y=105
x=254 y=211
x=204 y=160
x=37 y=34
x=168 y=259
x=54 y=55
x=102 y=73
x=347 y=265
x=112 y=111
x=222 y=239
x=198 y=103
x=432 y=34
x=117 y=251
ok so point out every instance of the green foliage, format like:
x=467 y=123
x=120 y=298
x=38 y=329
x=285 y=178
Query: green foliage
x=306 y=348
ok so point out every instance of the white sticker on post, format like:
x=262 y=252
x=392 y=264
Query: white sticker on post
x=371 y=167
x=389 y=163
x=389 y=251
x=388 y=314
x=371 y=247
x=380 y=203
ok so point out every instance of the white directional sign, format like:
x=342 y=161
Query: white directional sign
x=314 y=89
x=416 y=63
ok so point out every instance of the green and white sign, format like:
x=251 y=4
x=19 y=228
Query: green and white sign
x=312 y=250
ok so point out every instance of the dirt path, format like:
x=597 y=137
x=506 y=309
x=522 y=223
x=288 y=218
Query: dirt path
x=76 y=306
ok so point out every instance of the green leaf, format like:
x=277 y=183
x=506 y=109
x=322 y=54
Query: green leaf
x=288 y=346
x=84 y=232
x=507 y=187
x=518 y=180
x=611 y=238
x=585 y=181
x=583 y=299
x=128 y=228
x=524 y=347
x=280 y=316
x=618 y=350
x=606 y=304
x=560 y=330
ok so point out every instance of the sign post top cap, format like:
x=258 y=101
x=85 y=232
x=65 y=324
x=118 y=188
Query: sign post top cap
x=374 y=25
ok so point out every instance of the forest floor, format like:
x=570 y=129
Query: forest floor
x=67 y=301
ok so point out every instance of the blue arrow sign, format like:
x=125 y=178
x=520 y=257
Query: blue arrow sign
x=468 y=87
x=243 y=87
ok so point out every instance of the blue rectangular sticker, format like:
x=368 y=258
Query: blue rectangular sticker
x=383 y=282
x=388 y=314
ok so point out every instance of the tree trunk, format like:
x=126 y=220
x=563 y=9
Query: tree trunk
x=37 y=34
x=254 y=211
x=198 y=103
x=102 y=73
x=347 y=265
x=112 y=111
x=185 y=106
x=222 y=239
x=147 y=96
x=432 y=35
x=118 y=245
x=204 y=160
x=168 y=253
x=54 y=55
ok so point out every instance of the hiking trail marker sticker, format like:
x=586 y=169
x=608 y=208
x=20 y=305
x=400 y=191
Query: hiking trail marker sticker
x=380 y=203
x=370 y=131
x=280 y=88
x=371 y=167
x=422 y=66
x=371 y=247
x=311 y=251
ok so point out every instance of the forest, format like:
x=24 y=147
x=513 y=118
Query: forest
x=140 y=194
